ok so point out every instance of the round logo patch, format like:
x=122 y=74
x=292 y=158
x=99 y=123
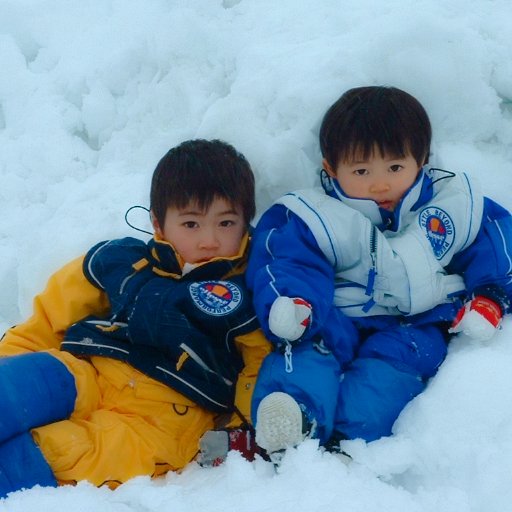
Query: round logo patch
x=439 y=229
x=216 y=298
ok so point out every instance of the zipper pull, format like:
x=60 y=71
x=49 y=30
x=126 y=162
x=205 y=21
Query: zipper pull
x=371 y=281
x=288 y=366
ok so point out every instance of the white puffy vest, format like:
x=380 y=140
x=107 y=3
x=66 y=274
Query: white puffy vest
x=392 y=273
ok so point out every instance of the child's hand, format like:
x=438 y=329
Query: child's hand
x=289 y=317
x=479 y=318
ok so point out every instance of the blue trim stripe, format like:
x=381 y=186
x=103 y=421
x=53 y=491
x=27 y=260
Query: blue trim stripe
x=472 y=208
x=505 y=250
x=323 y=225
x=89 y=265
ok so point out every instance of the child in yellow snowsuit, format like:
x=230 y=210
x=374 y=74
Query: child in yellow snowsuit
x=135 y=349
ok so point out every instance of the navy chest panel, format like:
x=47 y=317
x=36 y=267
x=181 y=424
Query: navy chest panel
x=167 y=312
x=179 y=331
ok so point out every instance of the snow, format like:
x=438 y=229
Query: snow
x=93 y=93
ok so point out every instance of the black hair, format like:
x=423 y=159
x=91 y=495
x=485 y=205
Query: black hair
x=365 y=117
x=201 y=171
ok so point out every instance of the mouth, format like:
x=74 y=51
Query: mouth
x=203 y=260
x=206 y=259
x=386 y=205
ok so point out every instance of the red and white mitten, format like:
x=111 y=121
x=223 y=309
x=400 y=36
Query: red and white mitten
x=479 y=318
x=289 y=317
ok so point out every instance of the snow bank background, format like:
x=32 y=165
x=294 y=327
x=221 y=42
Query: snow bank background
x=93 y=93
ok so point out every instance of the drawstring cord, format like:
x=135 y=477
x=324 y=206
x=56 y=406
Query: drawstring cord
x=130 y=224
x=448 y=174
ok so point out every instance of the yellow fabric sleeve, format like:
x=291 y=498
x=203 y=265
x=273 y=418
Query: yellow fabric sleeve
x=68 y=297
x=254 y=347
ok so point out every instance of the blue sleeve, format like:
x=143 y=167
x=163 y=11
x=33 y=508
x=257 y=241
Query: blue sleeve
x=109 y=267
x=285 y=260
x=487 y=263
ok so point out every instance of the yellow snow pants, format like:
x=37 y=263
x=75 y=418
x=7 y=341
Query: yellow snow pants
x=125 y=424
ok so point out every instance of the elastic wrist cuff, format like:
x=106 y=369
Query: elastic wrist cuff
x=494 y=293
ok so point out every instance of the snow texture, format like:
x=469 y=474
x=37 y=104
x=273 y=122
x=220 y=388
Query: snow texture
x=93 y=93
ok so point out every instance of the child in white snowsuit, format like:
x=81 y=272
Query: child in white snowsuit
x=360 y=283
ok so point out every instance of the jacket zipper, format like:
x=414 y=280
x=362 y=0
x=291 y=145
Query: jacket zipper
x=372 y=273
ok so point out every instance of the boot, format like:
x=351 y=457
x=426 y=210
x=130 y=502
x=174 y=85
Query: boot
x=280 y=423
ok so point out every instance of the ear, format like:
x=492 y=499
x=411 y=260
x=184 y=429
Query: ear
x=155 y=223
x=328 y=168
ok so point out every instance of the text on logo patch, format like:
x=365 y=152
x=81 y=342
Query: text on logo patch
x=439 y=229
x=216 y=297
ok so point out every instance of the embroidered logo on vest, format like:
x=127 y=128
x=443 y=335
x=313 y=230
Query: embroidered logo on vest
x=439 y=229
x=216 y=298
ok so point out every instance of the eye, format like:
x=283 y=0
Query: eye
x=360 y=172
x=190 y=224
x=227 y=223
x=395 y=168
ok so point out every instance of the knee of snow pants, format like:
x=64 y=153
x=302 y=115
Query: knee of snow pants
x=22 y=465
x=36 y=389
x=312 y=381
x=371 y=396
x=418 y=350
x=390 y=370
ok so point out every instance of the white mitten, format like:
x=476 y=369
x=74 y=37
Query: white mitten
x=289 y=317
x=479 y=318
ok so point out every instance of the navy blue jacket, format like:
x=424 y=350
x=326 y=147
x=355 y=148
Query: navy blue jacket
x=178 y=329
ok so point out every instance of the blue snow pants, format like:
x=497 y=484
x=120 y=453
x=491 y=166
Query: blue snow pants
x=35 y=389
x=364 y=398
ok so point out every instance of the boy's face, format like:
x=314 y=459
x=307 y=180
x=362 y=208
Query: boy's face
x=200 y=236
x=382 y=179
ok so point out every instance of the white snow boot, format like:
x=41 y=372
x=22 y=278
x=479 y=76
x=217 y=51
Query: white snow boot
x=279 y=423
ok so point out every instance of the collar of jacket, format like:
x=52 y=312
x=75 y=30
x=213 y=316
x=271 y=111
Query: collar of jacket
x=419 y=193
x=167 y=262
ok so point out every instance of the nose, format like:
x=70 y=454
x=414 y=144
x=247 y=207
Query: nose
x=209 y=240
x=379 y=187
